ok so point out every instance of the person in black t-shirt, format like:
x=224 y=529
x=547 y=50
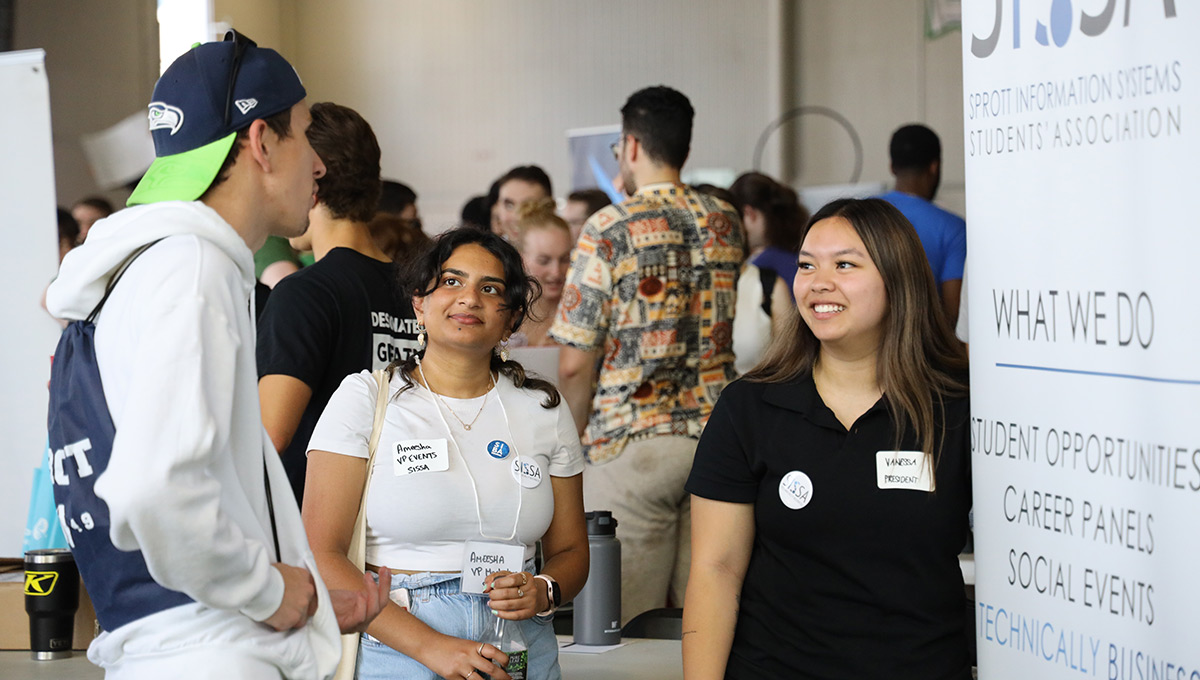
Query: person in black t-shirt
x=344 y=313
x=831 y=488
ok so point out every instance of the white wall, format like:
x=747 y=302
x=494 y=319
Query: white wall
x=870 y=60
x=459 y=91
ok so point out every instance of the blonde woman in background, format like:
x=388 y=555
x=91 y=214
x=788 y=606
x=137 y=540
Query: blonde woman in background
x=544 y=240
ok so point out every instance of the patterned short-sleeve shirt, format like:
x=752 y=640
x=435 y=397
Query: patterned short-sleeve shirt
x=653 y=283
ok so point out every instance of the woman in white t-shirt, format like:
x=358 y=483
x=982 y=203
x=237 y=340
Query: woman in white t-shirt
x=475 y=461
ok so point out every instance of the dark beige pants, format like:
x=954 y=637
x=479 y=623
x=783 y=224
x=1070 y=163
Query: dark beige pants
x=643 y=487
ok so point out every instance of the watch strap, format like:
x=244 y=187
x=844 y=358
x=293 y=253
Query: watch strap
x=555 y=595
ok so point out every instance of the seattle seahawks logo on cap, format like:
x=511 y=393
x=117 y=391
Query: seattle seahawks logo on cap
x=165 y=117
x=244 y=105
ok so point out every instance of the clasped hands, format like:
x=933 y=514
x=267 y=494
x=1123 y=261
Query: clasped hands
x=355 y=609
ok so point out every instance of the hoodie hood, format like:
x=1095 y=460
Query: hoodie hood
x=86 y=270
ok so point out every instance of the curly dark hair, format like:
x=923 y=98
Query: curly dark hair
x=419 y=277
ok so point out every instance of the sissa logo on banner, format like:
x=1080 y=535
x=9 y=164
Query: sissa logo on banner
x=40 y=583
x=1057 y=26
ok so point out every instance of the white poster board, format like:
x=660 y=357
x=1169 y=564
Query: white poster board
x=1082 y=149
x=30 y=238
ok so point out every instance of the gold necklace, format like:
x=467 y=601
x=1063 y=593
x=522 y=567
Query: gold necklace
x=466 y=425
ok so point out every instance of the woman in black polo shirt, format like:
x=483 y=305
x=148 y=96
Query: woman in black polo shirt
x=831 y=486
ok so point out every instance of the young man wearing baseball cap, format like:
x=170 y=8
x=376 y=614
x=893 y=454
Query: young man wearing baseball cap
x=179 y=511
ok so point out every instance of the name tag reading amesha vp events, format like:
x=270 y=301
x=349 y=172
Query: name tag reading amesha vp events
x=419 y=455
x=903 y=470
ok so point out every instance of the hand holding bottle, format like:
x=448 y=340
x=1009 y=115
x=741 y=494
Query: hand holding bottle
x=506 y=636
x=451 y=657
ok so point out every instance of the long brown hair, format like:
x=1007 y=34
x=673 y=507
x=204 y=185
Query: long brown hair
x=919 y=361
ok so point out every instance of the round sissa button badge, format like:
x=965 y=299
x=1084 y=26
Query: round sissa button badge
x=795 y=489
x=527 y=472
x=498 y=450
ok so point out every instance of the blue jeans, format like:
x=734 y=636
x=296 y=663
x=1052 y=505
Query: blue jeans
x=435 y=600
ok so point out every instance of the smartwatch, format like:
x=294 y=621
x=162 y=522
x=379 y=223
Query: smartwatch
x=553 y=591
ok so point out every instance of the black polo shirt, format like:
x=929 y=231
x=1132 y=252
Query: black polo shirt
x=861 y=582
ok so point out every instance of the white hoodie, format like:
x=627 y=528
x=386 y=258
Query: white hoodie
x=175 y=347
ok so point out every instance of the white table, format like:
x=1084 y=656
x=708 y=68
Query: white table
x=637 y=660
x=19 y=666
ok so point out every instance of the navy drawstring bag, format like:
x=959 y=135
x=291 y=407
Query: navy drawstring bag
x=81 y=440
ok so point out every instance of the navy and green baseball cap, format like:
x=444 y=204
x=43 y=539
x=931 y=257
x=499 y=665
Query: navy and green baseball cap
x=200 y=103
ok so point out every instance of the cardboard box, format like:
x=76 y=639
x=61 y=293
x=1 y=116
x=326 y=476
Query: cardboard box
x=14 y=622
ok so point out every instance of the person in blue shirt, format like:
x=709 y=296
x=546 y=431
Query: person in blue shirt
x=916 y=154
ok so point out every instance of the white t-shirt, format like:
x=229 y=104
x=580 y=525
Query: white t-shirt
x=418 y=521
x=751 y=325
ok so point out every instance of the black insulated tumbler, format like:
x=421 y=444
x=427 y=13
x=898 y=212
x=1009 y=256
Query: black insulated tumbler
x=51 y=598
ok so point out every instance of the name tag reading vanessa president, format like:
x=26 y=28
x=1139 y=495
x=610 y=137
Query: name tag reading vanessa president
x=904 y=470
x=413 y=456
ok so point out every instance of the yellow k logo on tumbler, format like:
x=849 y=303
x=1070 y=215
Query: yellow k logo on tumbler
x=40 y=583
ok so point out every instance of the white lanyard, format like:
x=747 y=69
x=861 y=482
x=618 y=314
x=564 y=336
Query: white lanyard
x=474 y=487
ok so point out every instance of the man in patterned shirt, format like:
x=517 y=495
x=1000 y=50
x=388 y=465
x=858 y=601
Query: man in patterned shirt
x=647 y=316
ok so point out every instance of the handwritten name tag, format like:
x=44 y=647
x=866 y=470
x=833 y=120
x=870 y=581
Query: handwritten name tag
x=412 y=456
x=903 y=470
x=481 y=558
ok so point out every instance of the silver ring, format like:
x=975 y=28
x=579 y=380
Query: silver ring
x=520 y=593
x=480 y=650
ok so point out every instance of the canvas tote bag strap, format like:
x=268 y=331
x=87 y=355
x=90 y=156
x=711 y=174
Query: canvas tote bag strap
x=381 y=401
x=358 y=538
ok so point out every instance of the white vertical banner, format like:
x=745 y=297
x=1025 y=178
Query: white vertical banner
x=30 y=238
x=1082 y=132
